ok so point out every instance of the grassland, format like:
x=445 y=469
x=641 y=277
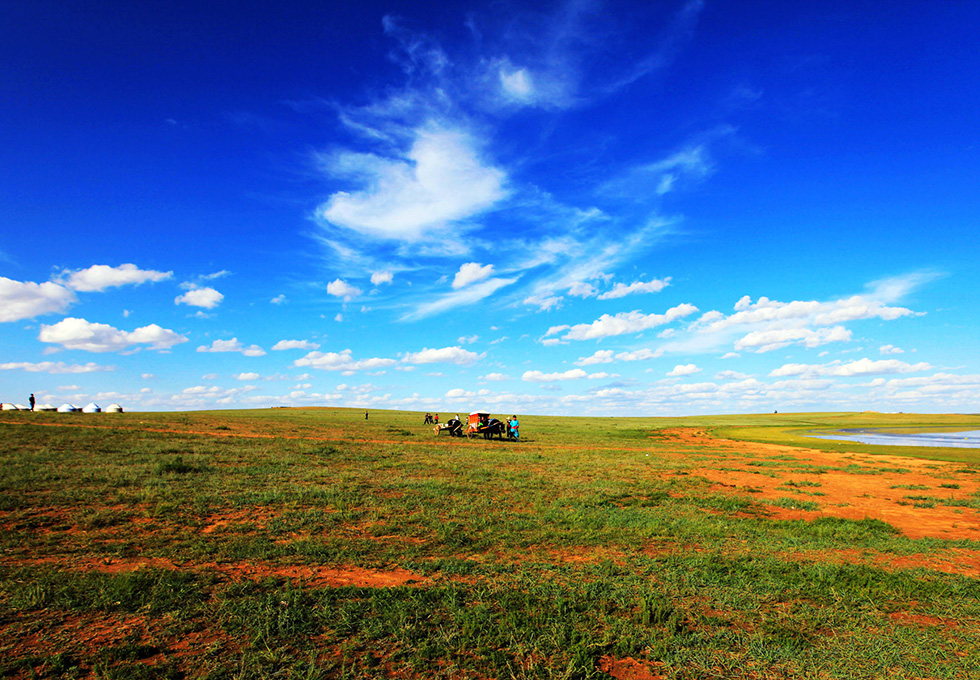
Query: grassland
x=310 y=543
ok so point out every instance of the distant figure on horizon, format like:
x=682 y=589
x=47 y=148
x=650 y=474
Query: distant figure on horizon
x=365 y=415
x=31 y=401
x=436 y=416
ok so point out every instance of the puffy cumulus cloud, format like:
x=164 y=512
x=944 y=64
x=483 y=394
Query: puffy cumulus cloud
x=455 y=355
x=607 y=356
x=232 y=345
x=342 y=361
x=54 y=367
x=278 y=300
x=342 y=289
x=622 y=289
x=808 y=312
x=768 y=340
x=853 y=368
x=624 y=322
x=459 y=393
x=26 y=299
x=377 y=278
x=890 y=349
x=494 y=377
x=731 y=375
x=440 y=181
x=295 y=344
x=471 y=272
x=72 y=333
x=206 y=297
x=539 y=377
x=99 y=277
x=684 y=369
x=247 y=376
x=602 y=356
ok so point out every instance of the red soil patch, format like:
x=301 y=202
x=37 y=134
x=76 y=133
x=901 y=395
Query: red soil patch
x=314 y=576
x=952 y=561
x=629 y=669
x=863 y=492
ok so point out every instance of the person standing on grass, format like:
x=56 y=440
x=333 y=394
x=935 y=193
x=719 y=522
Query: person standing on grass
x=365 y=415
x=31 y=401
x=514 y=425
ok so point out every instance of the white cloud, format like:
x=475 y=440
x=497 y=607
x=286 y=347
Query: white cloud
x=543 y=303
x=341 y=361
x=247 y=376
x=891 y=349
x=26 y=299
x=99 y=277
x=465 y=296
x=72 y=333
x=471 y=272
x=624 y=322
x=377 y=278
x=295 y=344
x=622 y=290
x=602 y=356
x=853 y=368
x=440 y=181
x=467 y=339
x=455 y=355
x=342 y=289
x=495 y=377
x=768 y=340
x=582 y=289
x=232 y=345
x=278 y=300
x=517 y=84
x=684 y=369
x=54 y=367
x=538 y=376
x=206 y=297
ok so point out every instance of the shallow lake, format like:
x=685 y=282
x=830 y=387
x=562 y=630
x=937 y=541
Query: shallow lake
x=961 y=440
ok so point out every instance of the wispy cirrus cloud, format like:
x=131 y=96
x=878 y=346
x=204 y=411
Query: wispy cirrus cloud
x=54 y=367
x=849 y=369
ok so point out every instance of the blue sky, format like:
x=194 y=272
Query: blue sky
x=582 y=208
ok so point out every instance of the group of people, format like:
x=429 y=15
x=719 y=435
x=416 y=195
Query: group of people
x=431 y=419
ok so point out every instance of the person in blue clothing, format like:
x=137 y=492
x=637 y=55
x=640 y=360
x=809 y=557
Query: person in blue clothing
x=514 y=425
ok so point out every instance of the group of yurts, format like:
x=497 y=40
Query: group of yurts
x=64 y=408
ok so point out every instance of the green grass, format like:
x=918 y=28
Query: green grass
x=204 y=552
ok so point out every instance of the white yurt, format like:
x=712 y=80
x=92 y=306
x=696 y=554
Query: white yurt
x=8 y=407
x=68 y=408
x=45 y=407
x=113 y=408
x=22 y=407
x=92 y=407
